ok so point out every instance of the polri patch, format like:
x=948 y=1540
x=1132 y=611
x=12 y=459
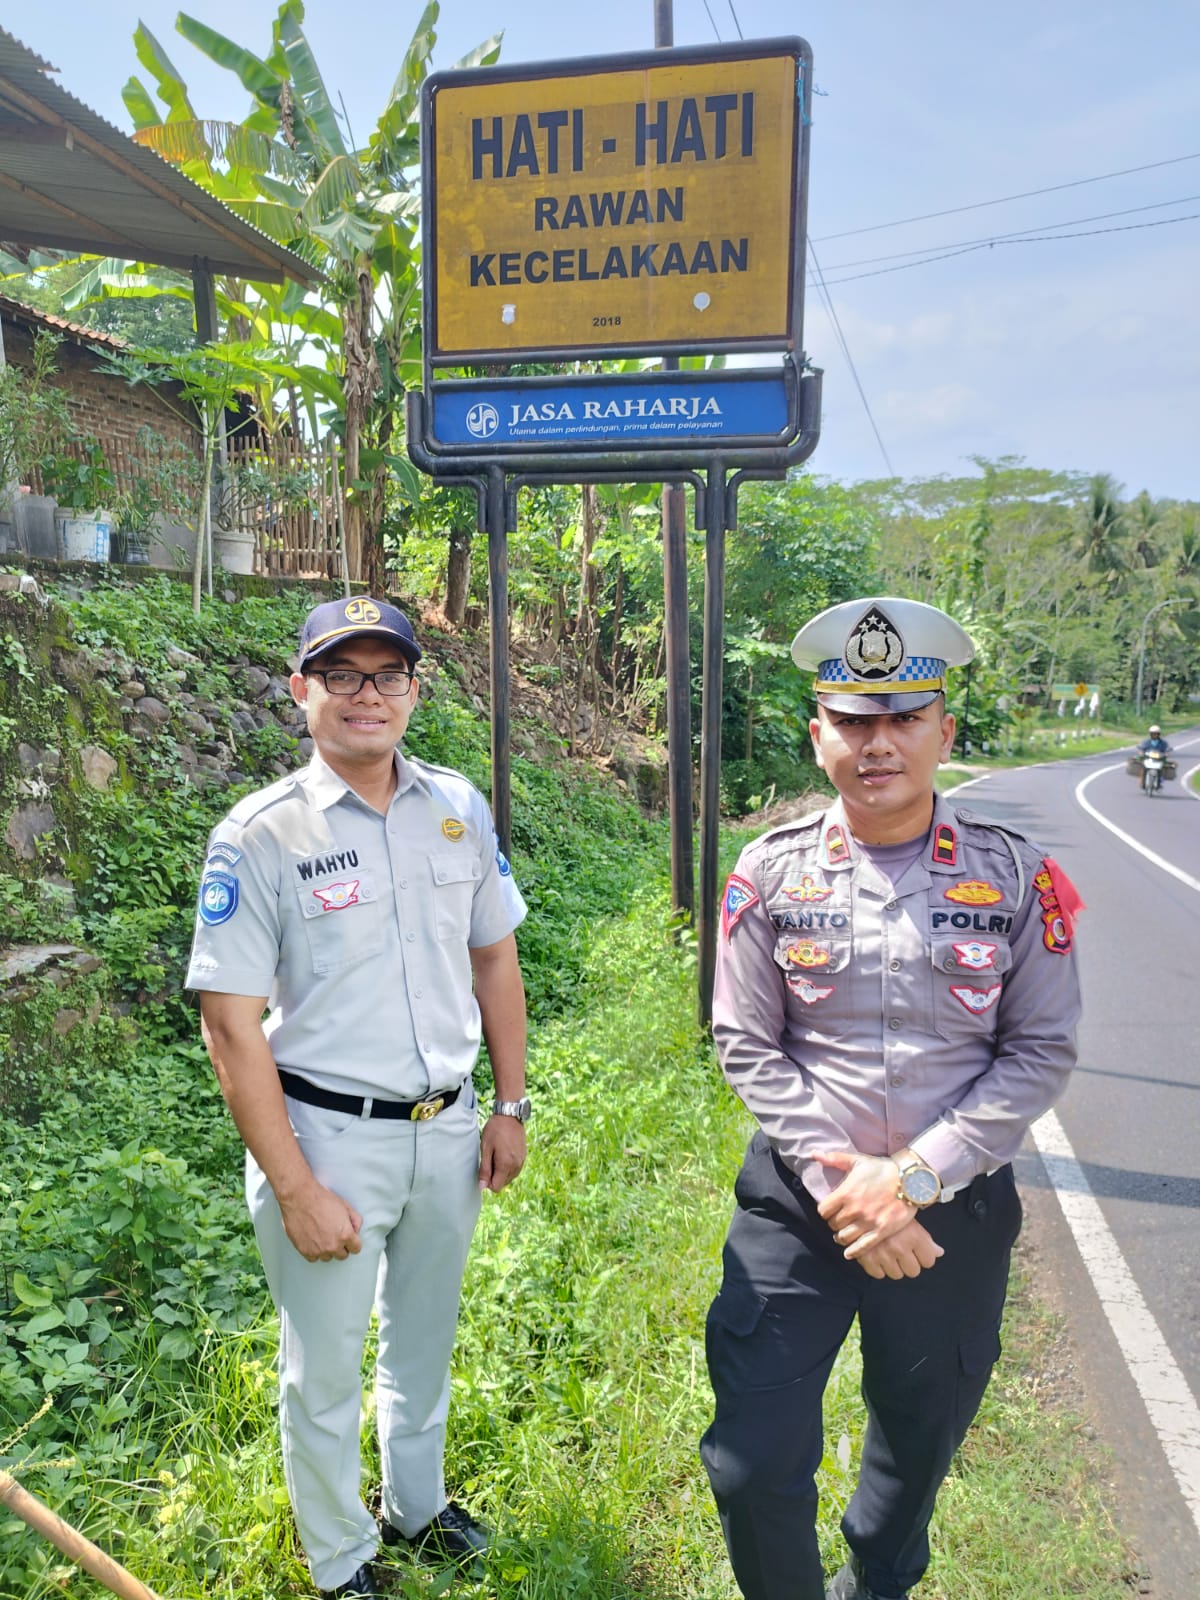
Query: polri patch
x=976 y=1001
x=218 y=897
x=739 y=897
x=453 y=827
x=502 y=863
x=974 y=892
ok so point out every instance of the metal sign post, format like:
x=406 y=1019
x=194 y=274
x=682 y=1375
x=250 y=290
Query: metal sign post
x=645 y=205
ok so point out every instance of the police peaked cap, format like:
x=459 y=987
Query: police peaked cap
x=881 y=655
x=338 y=621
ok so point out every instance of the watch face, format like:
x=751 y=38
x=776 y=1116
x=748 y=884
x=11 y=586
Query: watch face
x=920 y=1186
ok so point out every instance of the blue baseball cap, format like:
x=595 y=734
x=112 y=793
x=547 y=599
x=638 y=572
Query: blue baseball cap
x=336 y=621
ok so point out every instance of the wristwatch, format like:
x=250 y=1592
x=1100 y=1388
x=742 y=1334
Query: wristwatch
x=919 y=1184
x=522 y=1109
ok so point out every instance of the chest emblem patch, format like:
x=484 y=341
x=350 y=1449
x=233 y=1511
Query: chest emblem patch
x=453 y=827
x=976 y=955
x=975 y=892
x=808 y=954
x=808 y=991
x=337 y=896
x=739 y=897
x=807 y=890
x=976 y=1001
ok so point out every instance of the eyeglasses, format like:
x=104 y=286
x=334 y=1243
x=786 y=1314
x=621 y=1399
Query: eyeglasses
x=342 y=680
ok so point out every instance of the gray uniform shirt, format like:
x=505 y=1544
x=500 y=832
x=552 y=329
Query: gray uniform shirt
x=357 y=925
x=937 y=1013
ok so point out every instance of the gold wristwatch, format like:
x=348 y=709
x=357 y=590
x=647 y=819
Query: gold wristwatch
x=919 y=1184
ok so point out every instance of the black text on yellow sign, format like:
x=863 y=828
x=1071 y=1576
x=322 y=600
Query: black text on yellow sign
x=639 y=208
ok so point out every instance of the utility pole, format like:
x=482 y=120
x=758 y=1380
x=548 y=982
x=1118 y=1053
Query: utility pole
x=1179 y=600
x=676 y=624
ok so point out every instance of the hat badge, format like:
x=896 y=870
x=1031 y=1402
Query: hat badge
x=364 y=611
x=874 y=649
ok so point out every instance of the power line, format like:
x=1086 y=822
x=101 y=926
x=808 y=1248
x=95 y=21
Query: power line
x=1026 y=194
x=845 y=348
x=988 y=244
x=736 y=23
x=1042 y=227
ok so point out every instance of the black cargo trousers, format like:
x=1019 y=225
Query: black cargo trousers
x=786 y=1303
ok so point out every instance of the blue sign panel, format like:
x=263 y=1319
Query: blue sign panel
x=644 y=410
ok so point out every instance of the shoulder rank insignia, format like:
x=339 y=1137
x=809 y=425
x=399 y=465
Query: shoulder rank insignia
x=836 y=848
x=945 y=845
x=807 y=889
x=739 y=897
x=974 y=892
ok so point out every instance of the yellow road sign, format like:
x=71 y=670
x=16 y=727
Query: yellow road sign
x=652 y=206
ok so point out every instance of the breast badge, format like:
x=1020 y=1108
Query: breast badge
x=337 y=896
x=807 y=890
x=453 y=827
x=976 y=1001
x=807 y=953
x=975 y=892
x=976 y=955
x=808 y=991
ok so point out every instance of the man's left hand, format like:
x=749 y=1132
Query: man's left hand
x=501 y=1152
x=865 y=1208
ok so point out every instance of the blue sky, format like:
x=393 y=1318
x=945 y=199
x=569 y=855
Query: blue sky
x=1079 y=353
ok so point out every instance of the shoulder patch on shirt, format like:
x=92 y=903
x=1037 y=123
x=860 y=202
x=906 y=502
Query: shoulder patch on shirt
x=503 y=865
x=218 y=897
x=222 y=852
x=739 y=897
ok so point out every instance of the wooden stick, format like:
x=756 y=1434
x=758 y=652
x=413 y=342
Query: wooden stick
x=72 y=1543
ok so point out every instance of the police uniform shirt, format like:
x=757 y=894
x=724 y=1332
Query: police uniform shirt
x=357 y=925
x=938 y=1012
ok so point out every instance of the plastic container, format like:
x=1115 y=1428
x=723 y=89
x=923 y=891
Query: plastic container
x=83 y=538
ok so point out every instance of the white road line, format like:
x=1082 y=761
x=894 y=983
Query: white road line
x=1127 y=838
x=1162 y=1386
x=1169 y=1401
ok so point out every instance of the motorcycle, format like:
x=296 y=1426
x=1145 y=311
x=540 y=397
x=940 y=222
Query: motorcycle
x=1153 y=763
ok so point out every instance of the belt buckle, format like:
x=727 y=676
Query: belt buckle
x=424 y=1110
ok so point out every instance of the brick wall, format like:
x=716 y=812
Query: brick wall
x=104 y=405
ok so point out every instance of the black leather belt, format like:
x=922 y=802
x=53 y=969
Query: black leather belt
x=355 y=1106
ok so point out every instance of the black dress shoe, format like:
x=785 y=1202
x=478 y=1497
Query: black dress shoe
x=851 y=1584
x=361 y=1584
x=453 y=1538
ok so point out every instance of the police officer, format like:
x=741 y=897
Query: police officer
x=364 y=902
x=895 y=1002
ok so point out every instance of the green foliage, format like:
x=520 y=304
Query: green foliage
x=34 y=418
x=79 y=476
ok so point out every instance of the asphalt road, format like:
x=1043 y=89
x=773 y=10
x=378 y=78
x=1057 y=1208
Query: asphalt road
x=1132 y=1118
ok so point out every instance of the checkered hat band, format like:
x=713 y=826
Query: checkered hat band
x=916 y=672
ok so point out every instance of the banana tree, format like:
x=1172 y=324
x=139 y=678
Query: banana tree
x=292 y=169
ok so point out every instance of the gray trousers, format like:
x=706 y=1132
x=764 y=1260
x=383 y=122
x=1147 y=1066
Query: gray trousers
x=416 y=1187
x=785 y=1307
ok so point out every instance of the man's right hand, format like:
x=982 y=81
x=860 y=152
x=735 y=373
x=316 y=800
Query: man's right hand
x=321 y=1225
x=903 y=1254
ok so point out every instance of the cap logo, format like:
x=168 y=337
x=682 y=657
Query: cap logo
x=363 y=611
x=874 y=649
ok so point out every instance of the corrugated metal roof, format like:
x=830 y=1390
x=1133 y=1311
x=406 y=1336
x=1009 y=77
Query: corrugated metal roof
x=71 y=181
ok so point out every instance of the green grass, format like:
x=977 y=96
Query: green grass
x=579 y=1381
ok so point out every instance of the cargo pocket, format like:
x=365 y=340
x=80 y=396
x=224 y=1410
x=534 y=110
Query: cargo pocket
x=977 y=1355
x=967 y=980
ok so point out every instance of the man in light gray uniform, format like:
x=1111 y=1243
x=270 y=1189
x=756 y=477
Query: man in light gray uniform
x=896 y=1001
x=364 y=903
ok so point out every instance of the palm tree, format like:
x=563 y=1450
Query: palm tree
x=1102 y=531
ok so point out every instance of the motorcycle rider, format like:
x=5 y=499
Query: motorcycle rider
x=1154 y=742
